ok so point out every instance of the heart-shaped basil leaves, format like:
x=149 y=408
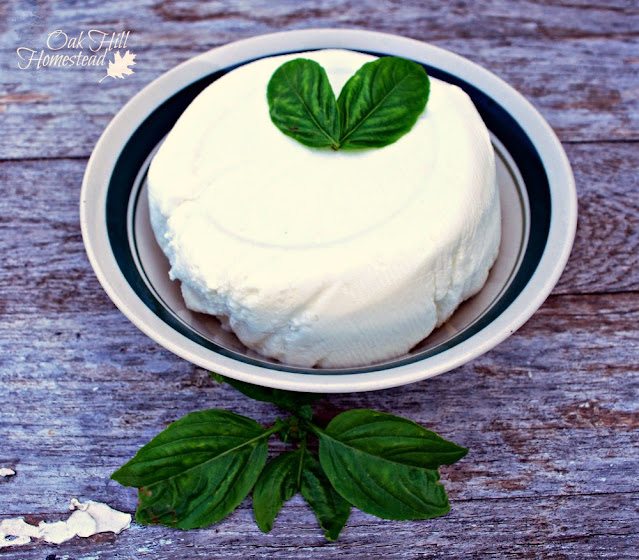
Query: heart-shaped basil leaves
x=378 y=104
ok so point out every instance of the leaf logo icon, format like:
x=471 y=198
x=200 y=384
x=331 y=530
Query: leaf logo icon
x=119 y=66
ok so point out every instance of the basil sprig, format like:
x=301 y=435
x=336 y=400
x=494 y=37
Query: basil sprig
x=378 y=104
x=203 y=466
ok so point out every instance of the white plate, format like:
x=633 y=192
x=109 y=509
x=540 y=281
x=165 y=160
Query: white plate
x=539 y=215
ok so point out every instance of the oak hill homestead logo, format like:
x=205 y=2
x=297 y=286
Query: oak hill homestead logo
x=92 y=48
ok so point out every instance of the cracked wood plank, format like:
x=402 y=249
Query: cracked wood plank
x=551 y=427
x=45 y=263
x=586 y=88
x=177 y=21
x=519 y=529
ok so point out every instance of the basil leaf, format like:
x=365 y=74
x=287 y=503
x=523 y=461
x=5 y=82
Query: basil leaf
x=198 y=470
x=371 y=472
x=302 y=103
x=332 y=511
x=287 y=400
x=284 y=476
x=395 y=438
x=381 y=102
x=278 y=483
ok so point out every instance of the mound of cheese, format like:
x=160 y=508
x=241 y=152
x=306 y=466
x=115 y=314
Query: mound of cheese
x=319 y=257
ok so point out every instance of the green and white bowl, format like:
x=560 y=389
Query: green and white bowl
x=539 y=216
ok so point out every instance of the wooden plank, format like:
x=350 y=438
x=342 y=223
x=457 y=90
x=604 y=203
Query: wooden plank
x=544 y=527
x=88 y=398
x=540 y=426
x=186 y=23
x=550 y=437
x=586 y=88
x=605 y=255
x=44 y=257
x=89 y=381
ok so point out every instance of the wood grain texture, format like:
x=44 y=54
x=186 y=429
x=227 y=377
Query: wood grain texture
x=587 y=93
x=577 y=64
x=567 y=441
x=187 y=22
x=45 y=263
x=551 y=415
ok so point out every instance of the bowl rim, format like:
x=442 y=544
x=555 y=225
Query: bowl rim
x=561 y=233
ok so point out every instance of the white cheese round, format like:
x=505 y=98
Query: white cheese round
x=319 y=257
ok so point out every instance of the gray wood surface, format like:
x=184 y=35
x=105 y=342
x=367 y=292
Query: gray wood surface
x=551 y=415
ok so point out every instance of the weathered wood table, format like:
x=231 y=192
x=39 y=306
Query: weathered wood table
x=551 y=416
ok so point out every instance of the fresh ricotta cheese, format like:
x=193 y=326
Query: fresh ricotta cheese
x=316 y=257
